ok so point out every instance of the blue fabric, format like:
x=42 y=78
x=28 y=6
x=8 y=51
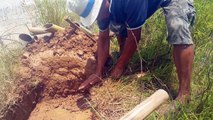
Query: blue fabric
x=132 y=13
x=88 y=8
x=103 y=24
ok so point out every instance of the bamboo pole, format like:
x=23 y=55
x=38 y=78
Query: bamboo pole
x=53 y=28
x=37 y=30
x=145 y=108
x=40 y=36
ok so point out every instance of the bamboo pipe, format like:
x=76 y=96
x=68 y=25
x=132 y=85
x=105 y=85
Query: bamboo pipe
x=44 y=36
x=37 y=30
x=53 y=28
x=145 y=108
x=27 y=38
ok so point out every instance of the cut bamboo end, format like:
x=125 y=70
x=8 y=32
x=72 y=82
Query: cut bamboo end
x=37 y=30
x=53 y=28
x=145 y=108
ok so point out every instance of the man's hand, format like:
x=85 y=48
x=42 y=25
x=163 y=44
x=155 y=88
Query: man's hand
x=92 y=80
x=129 y=49
x=116 y=73
x=102 y=54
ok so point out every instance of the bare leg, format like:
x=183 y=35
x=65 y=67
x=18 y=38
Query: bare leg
x=183 y=58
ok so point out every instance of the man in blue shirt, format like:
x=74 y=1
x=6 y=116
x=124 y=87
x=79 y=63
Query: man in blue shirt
x=125 y=18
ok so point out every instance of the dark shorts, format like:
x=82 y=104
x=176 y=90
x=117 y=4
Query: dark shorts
x=180 y=17
x=120 y=30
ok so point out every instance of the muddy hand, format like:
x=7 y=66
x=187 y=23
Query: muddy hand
x=116 y=73
x=89 y=82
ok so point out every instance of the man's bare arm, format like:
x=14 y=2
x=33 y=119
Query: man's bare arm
x=129 y=49
x=103 y=53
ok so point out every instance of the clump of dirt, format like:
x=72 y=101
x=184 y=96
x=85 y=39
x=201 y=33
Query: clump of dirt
x=61 y=63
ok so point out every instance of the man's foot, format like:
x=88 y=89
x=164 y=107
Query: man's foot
x=183 y=99
x=116 y=73
x=93 y=79
x=172 y=107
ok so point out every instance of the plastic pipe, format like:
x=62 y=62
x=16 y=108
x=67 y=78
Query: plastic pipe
x=145 y=108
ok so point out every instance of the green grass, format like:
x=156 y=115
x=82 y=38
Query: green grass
x=201 y=106
x=51 y=11
x=157 y=60
x=9 y=60
x=154 y=49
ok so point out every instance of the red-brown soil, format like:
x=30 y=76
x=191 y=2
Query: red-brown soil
x=61 y=64
x=56 y=67
x=69 y=108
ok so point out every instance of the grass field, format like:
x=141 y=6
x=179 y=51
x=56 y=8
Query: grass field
x=157 y=58
x=156 y=55
x=154 y=46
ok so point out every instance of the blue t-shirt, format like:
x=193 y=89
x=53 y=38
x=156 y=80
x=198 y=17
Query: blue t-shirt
x=132 y=13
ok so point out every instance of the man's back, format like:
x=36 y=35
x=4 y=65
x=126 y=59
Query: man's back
x=133 y=13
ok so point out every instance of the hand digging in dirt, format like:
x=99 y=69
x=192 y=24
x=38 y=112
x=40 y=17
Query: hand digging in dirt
x=117 y=72
x=92 y=80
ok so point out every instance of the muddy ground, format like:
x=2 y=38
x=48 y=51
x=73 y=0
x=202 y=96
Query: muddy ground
x=52 y=69
x=62 y=64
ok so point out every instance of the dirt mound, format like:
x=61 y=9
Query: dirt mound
x=62 y=62
x=50 y=71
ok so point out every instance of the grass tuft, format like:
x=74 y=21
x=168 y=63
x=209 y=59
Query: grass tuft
x=51 y=11
x=9 y=60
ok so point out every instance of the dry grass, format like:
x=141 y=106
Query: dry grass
x=115 y=98
x=10 y=50
x=8 y=62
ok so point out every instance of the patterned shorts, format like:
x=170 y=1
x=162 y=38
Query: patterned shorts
x=180 y=17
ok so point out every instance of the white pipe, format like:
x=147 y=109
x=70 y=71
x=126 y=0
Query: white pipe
x=37 y=30
x=145 y=108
